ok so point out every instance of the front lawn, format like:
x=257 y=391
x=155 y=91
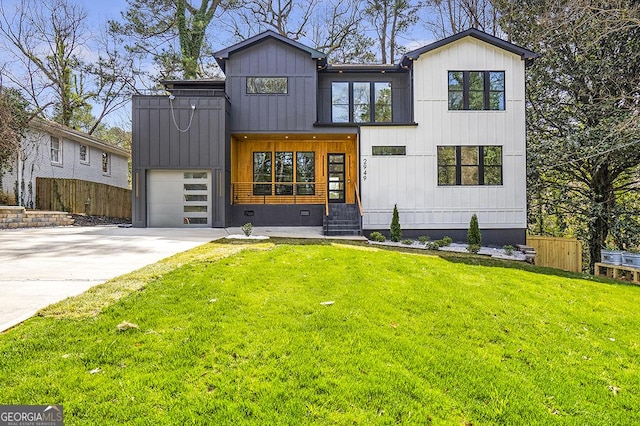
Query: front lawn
x=239 y=334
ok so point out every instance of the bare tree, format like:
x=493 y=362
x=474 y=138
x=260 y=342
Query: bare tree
x=452 y=16
x=334 y=27
x=338 y=31
x=286 y=17
x=48 y=41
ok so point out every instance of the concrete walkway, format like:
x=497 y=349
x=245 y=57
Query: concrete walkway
x=41 y=266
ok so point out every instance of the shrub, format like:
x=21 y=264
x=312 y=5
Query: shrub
x=247 y=228
x=407 y=242
x=395 y=231
x=473 y=248
x=446 y=241
x=508 y=249
x=435 y=245
x=424 y=239
x=474 y=238
x=376 y=236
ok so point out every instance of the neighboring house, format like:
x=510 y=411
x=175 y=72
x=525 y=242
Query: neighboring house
x=52 y=150
x=287 y=139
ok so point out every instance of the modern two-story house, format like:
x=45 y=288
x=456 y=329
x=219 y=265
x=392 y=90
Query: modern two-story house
x=287 y=139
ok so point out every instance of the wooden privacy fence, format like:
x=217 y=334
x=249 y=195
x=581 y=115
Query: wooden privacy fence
x=81 y=196
x=554 y=252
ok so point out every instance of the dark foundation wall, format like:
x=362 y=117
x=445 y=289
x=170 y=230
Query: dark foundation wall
x=277 y=215
x=490 y=237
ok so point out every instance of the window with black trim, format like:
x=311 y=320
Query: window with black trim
x=305 y=172
x=361 y=102
x=476 y=90
x=284 y=173
x=389 y=150
x=469 y=165
x=276 y=170
x=267 y=85
x=262 y=173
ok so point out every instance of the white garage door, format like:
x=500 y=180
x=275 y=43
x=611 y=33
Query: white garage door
x=178 y=198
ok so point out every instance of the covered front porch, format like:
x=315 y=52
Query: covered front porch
x=292 y=179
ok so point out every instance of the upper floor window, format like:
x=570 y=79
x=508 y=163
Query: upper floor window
x=469 y=165
x=56 y=150
x=106 y=164
x=361 y=102
x=476 y=90
x=84 y=154
x=267 y=85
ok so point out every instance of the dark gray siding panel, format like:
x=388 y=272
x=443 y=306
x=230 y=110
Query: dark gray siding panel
x=400 y=88
x=294 y=111
x=166 y=138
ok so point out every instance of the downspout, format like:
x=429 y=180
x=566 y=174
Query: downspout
x=19 y=177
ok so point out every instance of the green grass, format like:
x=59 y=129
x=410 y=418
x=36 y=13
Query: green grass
x=236 y=334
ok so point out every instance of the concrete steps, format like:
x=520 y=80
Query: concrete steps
x=13 y=217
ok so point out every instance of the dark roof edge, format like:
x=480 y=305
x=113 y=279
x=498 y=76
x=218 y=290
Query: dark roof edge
x=525 y=54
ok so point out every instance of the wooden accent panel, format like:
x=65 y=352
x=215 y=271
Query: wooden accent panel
x=242 y=161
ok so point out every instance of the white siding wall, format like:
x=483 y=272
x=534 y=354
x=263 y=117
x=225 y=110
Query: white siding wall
x=36 y=162
x=411 y=181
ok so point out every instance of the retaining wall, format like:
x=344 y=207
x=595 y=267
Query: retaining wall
x=18 y=217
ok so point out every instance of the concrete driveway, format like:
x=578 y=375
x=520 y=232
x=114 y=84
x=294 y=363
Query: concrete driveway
x=41 y=266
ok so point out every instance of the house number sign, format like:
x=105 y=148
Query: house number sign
x=364 y=169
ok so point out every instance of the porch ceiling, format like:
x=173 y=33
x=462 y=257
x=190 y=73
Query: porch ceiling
x=293 y=136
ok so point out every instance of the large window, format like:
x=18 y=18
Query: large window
x=262 y=173
x=361 y=102
x=476 y=90
x=56 y=150
x=267 y=85
x=306 y=172
x=281 y=177
x=469 y=165
x=284 y=173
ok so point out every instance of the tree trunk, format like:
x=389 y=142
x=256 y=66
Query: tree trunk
x=602 y=211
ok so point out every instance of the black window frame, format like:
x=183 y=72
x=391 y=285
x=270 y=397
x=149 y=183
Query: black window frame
x=482 y=167
x=279 y=185
x=388 y=150
x=251 y=92
x=372 y=102
x=263 y=188
x=487 y=91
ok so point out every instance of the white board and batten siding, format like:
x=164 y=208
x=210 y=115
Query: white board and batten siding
x=411 y=181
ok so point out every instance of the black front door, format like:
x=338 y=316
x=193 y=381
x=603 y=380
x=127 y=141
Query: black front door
x=336 y=178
